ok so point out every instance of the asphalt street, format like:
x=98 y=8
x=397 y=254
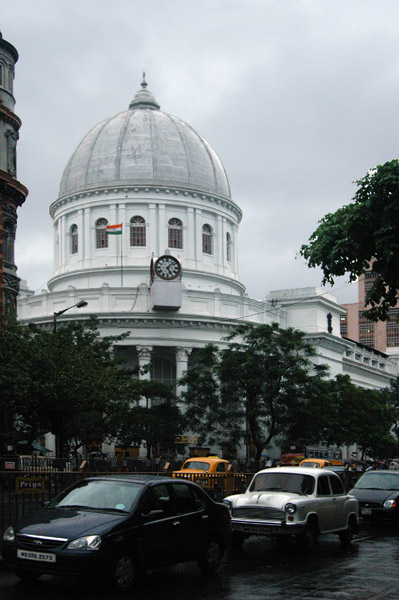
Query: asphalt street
x=261 y=570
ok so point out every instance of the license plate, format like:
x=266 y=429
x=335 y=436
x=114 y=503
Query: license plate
x=40 y=556
x=366 y=511
x=252 y=529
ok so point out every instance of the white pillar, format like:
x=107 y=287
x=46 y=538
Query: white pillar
x=182 y=355
x=144 y=354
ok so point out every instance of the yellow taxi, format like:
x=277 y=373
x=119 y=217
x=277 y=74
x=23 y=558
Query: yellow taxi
x=316 y=463
x=212 y=473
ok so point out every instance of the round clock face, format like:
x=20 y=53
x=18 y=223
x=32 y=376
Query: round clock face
x=167 y=267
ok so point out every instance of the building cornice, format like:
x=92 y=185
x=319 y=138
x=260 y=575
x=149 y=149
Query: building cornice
x=94 y=191
x=9 y=117
x=11 y=190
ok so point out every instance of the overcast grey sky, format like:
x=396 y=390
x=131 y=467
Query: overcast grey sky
x=297 y=97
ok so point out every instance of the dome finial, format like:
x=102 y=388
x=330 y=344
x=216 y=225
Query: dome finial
x=144 y=98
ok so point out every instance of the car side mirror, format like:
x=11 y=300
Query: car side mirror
x=154 y=515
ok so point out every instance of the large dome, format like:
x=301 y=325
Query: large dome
x=144 y=145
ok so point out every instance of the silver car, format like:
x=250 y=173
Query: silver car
x=289 y=501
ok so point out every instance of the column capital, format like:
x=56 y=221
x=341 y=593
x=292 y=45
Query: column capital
x=144 y=353
x=182 y=354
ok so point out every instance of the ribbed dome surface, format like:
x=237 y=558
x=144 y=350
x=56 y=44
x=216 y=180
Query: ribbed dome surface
x=145 y=145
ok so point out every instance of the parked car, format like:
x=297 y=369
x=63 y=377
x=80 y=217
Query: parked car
x=289 y=501
x=213 y=474
x=378 y=494
x=315 y=463
x=202 y=464
x=118 y=526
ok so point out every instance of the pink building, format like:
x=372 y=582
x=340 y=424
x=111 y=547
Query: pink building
x=381 y=335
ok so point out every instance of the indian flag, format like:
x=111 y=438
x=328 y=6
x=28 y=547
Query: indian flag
x=114 y=229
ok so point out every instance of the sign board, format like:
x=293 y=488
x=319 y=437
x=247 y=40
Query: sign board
x=10 y=464
x=187 y=439
x=30 y=485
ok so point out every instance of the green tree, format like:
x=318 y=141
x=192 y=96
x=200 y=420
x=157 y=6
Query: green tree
x=69 y=383
x=152 y=417
x=250 y=387
x=363 y=233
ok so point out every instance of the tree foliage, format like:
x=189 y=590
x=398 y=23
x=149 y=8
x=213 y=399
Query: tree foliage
x=363 y=233
x=250 y=387
x=153 y=418
x=68 y=383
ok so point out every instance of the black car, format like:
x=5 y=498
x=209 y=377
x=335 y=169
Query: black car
x=378 y=494
x=114 y=527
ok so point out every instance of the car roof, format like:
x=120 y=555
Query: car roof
x=131 y=478
x=208 y=459
x=298 y=470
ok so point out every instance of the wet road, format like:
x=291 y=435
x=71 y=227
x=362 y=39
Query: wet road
x=260 y=570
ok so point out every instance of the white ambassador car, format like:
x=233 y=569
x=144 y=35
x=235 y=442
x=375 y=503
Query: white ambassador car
x=289 y=501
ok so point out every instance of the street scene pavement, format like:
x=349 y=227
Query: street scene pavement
x=262 y=569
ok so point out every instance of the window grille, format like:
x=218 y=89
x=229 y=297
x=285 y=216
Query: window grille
x=344 y=325
x=393 y=328
x=137 y=231
x=74 y=239
x=207 y=239
x=175 y=233
x=101 y=233
x=366 y=330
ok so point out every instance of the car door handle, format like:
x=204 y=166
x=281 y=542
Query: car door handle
x=205 y=517
x=176 y=523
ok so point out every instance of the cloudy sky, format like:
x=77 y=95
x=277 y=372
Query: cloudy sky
x=298 y=97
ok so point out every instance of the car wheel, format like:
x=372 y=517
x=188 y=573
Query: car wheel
x=211 y=556
x=237 y=539
x=307 y=540
x=27 y=575
x=346 y=537
x=123 y=572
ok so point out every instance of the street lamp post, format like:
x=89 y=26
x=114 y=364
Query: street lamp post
x=79 y=304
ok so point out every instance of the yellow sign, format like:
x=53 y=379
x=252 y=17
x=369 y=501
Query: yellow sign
x=187 y=439
x=30 y=485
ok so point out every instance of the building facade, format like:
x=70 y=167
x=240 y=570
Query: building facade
x=381 y=335
x=146 y=232
x=12 y=192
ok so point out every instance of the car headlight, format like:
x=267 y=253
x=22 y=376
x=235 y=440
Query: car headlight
x=389 y=504
x=9 y=535
x=88 y=542
x=290 y=508
x=228 y=504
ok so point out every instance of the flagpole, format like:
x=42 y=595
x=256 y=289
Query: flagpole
x=121 y=258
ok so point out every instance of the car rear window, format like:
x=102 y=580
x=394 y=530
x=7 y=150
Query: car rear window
x=196 y=464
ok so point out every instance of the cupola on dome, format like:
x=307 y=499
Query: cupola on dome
x=145 y=146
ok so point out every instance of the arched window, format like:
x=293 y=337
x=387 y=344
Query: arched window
x=228 y=246
x=101 y=233
x=137 y=231
x=207 y=239
x=74 y=239
x=6 y=242
x=175 y=233
x=10 y=79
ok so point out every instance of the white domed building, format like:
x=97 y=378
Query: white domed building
x=170 y=278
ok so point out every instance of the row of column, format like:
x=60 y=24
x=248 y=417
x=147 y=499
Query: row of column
x=144 y=354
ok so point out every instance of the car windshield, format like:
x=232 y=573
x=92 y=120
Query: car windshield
x=283 y=482
x=310 y=464
x=378 y=481
x=196 y=464
x=103 y=495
